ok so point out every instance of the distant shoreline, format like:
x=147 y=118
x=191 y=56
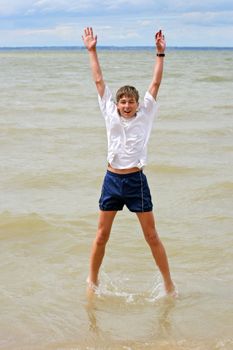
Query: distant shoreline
x=112 y=48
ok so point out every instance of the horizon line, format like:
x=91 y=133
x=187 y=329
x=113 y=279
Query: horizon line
x=80 y=47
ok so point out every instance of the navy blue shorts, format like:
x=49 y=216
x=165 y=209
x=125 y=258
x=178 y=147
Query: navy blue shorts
x=131 y=190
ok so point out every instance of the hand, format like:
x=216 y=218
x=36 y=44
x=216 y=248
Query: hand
x=160 y=42
x=89 y=39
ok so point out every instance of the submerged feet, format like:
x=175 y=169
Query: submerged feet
x=171 y=289
x=91 y=287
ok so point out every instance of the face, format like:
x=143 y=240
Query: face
x=127 y=106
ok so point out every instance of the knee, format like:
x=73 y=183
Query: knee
x=101 y=237
x=152 y=237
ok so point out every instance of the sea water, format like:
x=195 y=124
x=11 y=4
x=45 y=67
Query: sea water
x=53 y=159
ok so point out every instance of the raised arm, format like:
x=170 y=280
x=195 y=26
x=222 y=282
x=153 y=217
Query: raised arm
x=90 y=42
x=158 y=68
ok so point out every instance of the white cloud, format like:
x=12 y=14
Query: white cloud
x=117 y=22
x=59 y=35
x=93 y=5
x=208 y=18
x=100 y=7
x=121 y=6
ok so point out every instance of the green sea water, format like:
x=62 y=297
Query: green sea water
x=53 y=159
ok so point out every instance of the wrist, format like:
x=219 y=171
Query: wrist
x=92 y=49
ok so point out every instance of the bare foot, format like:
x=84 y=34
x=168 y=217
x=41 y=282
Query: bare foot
x=91 y=288
x=171 y=290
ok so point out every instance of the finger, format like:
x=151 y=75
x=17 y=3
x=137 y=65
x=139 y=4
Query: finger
x=87 y=31
x=91 y=31
x=158 y=35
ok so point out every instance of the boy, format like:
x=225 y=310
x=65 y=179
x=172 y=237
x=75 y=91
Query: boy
x=128 y=129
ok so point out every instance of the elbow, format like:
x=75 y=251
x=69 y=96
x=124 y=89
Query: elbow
x=97 y=77
x=157 y=83
x=98 y=80
x=99 y=84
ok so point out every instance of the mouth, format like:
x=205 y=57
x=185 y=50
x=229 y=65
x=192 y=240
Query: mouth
x=125 y=112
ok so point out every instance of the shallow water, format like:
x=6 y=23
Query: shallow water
x=53 y=156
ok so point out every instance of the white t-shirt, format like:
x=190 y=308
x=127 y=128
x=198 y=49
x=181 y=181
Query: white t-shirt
x=127 y=137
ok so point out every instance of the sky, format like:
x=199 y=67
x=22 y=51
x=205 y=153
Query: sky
x=116 y=22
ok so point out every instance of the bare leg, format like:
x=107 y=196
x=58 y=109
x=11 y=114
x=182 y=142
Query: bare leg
x=98 y=248
x=148 y=226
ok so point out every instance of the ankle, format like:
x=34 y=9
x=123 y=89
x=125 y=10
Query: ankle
x=92 y=284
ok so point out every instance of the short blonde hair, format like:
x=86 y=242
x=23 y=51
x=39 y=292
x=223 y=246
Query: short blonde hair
x=129 y=91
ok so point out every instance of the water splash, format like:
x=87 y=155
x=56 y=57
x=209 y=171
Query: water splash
x=114 y=288
x=122 y=289
x=157 y=292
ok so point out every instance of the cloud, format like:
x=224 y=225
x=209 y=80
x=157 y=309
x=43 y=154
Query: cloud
x=96 y=6
x=216 y=19
x=113 y=7
x=59 y=35
x=117 y=22
x=129 y=6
